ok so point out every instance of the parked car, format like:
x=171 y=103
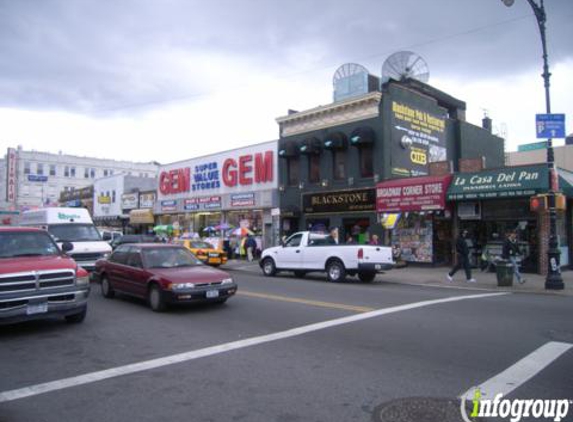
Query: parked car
x=163 y=274
x=37 y=279
x=205 y=252
x=110 y=235
x=305 y=252
x=133 y=238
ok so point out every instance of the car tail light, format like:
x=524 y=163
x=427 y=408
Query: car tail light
x=200 y=252
x=360 y=253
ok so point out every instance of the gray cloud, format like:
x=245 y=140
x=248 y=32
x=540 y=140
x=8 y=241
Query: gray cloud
x=90 y=56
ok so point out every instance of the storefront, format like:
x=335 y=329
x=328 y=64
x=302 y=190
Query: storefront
x=422 y=220
x=210 y=196
x=352 y=211
x=491 y=203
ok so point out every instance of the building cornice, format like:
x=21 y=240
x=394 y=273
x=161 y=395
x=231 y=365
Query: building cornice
x=335 y=114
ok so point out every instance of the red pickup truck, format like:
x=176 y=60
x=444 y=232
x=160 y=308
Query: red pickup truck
x=37 y=279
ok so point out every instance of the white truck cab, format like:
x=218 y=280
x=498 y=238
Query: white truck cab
x=72 y=225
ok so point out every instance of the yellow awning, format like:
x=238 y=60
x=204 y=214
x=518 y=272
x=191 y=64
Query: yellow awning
x=144 y=216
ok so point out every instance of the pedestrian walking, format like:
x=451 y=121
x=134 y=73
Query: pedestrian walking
x=511 y=252
x=374 y=240
x=332 y=238
x=250 y=246
x=463 y=253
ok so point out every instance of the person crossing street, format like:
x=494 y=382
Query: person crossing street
x=463 y=253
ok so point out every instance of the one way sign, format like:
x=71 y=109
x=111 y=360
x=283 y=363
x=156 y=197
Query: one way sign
x=550 y=126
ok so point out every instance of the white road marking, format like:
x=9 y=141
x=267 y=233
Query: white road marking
x=222 y=348
x=521 y=372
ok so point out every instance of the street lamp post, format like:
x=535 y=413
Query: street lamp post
x=554 y=281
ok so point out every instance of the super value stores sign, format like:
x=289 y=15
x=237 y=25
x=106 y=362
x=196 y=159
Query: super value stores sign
x=250 y=169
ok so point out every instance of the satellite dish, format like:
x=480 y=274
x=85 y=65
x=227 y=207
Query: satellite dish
x=348 y=69
x=350 y=80
x=403 y=65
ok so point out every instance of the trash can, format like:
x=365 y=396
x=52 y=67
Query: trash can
x=504 y=272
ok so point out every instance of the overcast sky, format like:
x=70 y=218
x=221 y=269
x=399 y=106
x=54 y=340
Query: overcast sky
x=167 y=80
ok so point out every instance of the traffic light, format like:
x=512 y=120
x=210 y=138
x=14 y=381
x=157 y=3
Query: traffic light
x=540 y=203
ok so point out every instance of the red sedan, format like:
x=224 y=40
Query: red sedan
x=162 y=274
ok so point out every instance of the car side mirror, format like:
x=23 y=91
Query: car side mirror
x=106 y=237
x=67 y=247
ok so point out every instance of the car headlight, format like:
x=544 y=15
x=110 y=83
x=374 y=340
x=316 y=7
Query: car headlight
x=182 y=286
x=83 y=281
x=227 y=281
x=106 y=255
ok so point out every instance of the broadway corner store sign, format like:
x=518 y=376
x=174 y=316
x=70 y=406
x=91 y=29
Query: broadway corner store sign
x=412 y=194
x=503 y=183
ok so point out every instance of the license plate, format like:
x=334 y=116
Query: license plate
x=378 y=267
x=214 y=255
x=37 y=308
x=212 y=293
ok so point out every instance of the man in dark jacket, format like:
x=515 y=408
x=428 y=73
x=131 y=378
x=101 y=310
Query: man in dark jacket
x=510 y=252
x=463 y=253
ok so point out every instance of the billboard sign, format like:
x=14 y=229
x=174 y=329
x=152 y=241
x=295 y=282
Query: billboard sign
x=418 y=138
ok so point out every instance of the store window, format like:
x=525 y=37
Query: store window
x=27 y=168
x=293 y=171
x=366 y=158
x=52 y=169
x=40 y=169
x=339 y=164
x=314 y=168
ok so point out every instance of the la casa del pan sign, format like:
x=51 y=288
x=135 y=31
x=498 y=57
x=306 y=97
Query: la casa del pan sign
x=245 y=170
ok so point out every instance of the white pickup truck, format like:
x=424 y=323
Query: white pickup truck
x=305 y=252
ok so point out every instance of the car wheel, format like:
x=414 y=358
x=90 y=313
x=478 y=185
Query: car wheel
x=367 y=277
x=76 y=318
x=269 y=268
x=299 y=274
x=335 y=271
x=156 y=301
x=106 y=289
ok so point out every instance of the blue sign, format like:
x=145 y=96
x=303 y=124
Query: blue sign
x=74 y=203
x=206 y=177
x=550 y=126
x=36 y=178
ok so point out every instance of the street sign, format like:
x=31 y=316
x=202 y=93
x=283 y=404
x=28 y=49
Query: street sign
x=550 y=126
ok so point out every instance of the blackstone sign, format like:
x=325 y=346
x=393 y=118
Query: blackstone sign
x=504 y=183
x=340 y=201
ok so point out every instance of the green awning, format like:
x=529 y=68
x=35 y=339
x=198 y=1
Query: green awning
x=509 y=182
x=566 y=183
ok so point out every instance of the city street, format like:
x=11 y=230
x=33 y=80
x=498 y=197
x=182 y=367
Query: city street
x=286 y=349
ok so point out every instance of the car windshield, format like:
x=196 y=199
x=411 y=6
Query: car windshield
x=169 y=258
x=74 y=232
x=26 y=244
x=201 y=245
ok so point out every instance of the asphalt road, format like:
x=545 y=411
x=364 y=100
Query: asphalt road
x=256 y=363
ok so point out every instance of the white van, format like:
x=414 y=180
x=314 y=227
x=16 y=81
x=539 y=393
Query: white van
x=71 y=225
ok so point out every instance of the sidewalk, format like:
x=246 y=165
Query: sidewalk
x=436 y=277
